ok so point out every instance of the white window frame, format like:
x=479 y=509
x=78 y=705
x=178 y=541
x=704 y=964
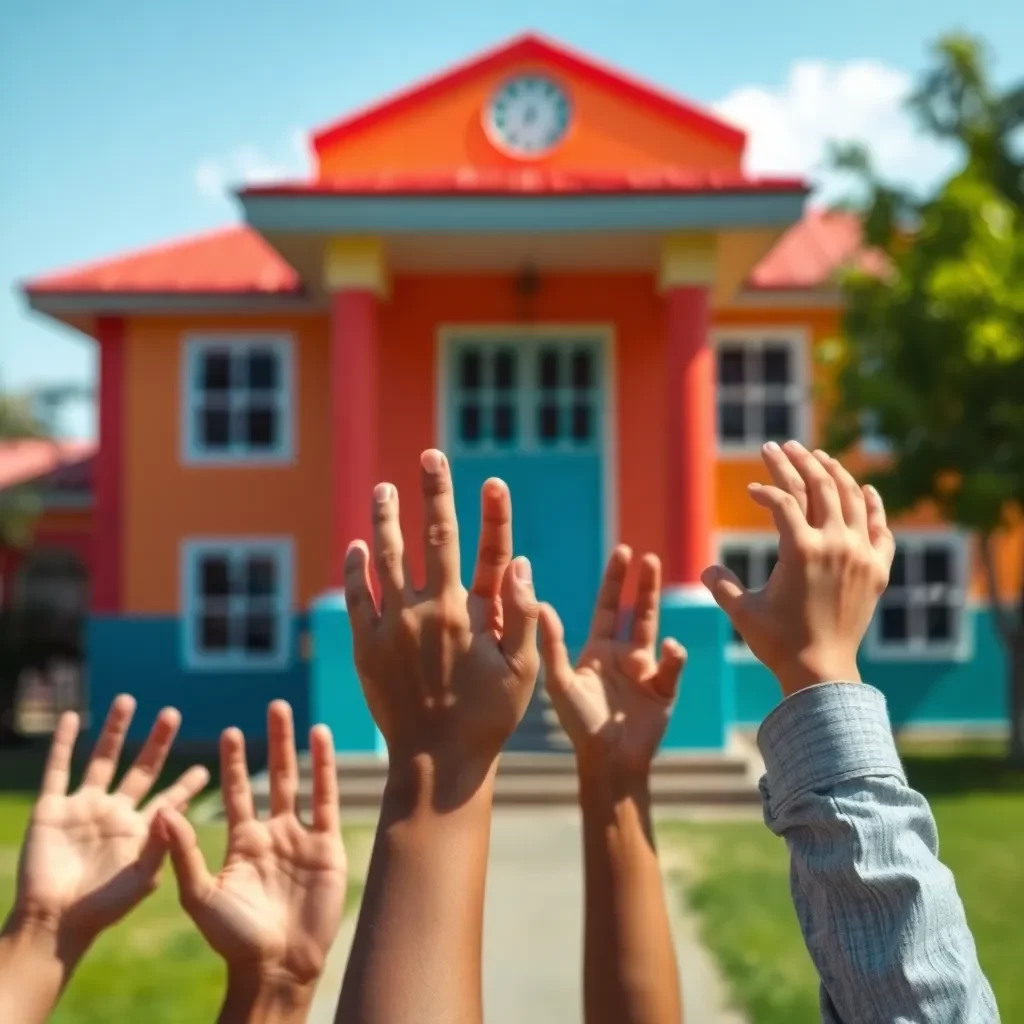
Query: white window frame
x=192 y=549
x=195 y=346
x=917 y=648
x=797 y=340
x=755 y=540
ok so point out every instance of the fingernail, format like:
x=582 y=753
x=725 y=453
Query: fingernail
x=821 y=456
x=794 y=446
x=524 y=571
x=753 y=486
x=432 y=460
x=771 y=446
x=873 y=491
x=382 y=492
x=709 y=575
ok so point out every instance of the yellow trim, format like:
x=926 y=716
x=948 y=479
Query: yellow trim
x=355 y=263
x=687 y=259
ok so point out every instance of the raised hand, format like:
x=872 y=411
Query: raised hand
x=446 y=673
x=274 y=908
x=616 y=702
x=835 y=551
x=88 y=856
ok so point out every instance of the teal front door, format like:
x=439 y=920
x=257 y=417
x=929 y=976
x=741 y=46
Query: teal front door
x=531 y=410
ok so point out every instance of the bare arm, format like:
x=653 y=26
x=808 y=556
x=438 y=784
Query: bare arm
x=615 y=705
x=447 y=675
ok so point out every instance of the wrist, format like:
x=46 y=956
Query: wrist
x=42 y=935
x=813 y=669
x=613 y=779
x=256 y=993
x=438 y=781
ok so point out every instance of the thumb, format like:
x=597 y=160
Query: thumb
x=670 y=666
x=186 y=857
x=725 y=588
x=520 y=611
x=557 y=667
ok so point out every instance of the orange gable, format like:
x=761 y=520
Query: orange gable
x=616 y=123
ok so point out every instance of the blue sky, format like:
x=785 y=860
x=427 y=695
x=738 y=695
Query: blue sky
x=122 y=121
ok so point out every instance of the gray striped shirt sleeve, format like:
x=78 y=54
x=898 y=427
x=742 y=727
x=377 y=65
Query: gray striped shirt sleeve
x=879 y=912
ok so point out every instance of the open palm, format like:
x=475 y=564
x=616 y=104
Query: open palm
x=277 y=902
x=88 y=856
x=616 y=702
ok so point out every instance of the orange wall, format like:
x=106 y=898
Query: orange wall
x=607 y=133
x=166 y=500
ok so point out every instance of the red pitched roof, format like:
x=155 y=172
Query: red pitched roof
x=531 y=181
x=532 y=46
x=238 y=261
x=229 y=261
x=33 y=459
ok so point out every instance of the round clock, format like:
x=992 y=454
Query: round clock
x=528 y=115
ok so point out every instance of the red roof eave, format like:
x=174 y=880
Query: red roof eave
x=531 y=46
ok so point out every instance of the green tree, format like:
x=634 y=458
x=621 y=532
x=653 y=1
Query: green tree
x=19 y=504
x=932 y=342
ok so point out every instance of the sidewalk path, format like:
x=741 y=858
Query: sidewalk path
x=533 y=928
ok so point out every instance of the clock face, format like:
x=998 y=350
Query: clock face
x=528 y=115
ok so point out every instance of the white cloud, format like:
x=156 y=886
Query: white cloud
x=856 y=101
x=215 y=177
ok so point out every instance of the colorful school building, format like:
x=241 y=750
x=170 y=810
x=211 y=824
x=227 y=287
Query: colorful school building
x=558 y=274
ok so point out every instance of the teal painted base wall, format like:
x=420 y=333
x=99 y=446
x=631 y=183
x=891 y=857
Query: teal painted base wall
x=142 y=656
x=704 y=711
x=923 y=693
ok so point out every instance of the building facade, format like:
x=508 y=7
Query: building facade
x=557 y=274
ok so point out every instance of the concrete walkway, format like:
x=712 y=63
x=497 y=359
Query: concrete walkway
x=533 y=930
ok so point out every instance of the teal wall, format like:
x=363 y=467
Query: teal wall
x=918 y=692
x=143 y=656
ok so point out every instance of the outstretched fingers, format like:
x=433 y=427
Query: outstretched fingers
x=645 y=609
x=851 y=497
x=879 y=534
x=103 y=763
x=670 y=666
x=388 y=545
x=441 y=530
x=362 y=611
x=145 y=770
x=235 y=787
x=520 y=611
x=193 y=877
x=789 y=519
x=57 y=774
x=823 y=505
x=180 y=794
x=558 y=669
x=605 y=623
x=726 y=588
x=325 y=780
x=283 y=764
x=495 y=550
x=784 y=474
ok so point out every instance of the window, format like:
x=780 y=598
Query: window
x=238 y=399
x=760 y=388
x=921 y=612
x=752 y=558
x=237 y=603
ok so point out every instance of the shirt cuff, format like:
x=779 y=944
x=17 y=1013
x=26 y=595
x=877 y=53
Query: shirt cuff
x=825 y=735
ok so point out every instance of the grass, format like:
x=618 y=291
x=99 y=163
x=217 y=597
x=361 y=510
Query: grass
x=153 y=966
x=735 y=876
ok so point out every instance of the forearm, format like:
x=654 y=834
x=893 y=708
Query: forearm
x=879 y=912
x=253 y=998
x=629 y=970
x=416 y=956
x=35 y=965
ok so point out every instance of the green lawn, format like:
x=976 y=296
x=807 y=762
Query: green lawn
x=154 y=966
x=735 y=875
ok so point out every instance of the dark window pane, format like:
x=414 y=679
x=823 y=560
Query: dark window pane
x=260 y=429
x=775 y=366
x=469 y=423
x=898 y=572
x=939 y=622
x=214 y=428
x=262 y=369
x=469 y=371
x=547 y=422
x=581 y=421
x=505 y=370
x=216 y=371
x=582 y=370
x=732 y=422
x=214 y=576
x=213 y=633
x=770 y=560
x=777 y=423
x=730 y=364
x=260 y=632
x=548 y=368
x=894 y=623
x=504 y=422
x=937 y=565
x=260 y=576
x=738 y=561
